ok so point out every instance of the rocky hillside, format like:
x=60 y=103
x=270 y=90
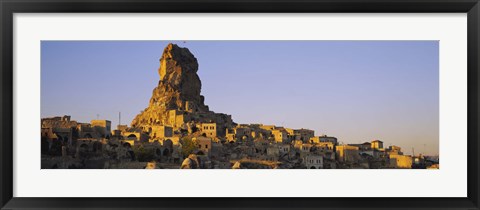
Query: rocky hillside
x=178 y=89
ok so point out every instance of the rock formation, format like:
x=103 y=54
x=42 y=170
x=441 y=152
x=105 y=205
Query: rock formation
x=237 y=165
x=191 y=162
x=176 y=100
x=151 y=165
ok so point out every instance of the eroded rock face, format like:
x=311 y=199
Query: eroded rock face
x=237 y=165
x=179 y=91
x=178 y=75
x=150 y=165
x=191 y=162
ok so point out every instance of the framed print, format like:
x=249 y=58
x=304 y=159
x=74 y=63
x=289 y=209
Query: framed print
x=239 y=105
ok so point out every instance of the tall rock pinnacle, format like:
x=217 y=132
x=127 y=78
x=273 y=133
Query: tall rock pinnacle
x=178 y=70
x=177 y=93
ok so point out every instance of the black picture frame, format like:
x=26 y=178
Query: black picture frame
x=9 y=7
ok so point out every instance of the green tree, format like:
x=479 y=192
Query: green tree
x=144 y=155
x=188 y=146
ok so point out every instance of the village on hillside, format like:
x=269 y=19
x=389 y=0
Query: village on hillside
x=178 y=131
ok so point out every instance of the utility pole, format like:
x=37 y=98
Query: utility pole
x=119 y=118
x=413 y=152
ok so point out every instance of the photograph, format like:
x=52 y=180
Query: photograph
x=239 y=104
x=270 y=104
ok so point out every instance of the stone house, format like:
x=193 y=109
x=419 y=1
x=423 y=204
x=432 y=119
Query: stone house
x=204 y=145
x=401 y=161
x=313 y=161
x=103 y=127
x=208 y=129
x=326 y=138
x=85 y=130
x=325 y=145
x=280 y=136
x=160 y=132
x=273 y=153
x=377 y=144
x=284 y=148
x=303 y=134
x=347 y=153
x=177 y=118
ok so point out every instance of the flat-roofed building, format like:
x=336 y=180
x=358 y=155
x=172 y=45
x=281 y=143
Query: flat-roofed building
x=204 y=145
x=401 y=161
x=280 y=135
x=377 y=144
x=160 y=132
x=304 y=134
x=103 y=127
x=208 y=129
x=313 y=161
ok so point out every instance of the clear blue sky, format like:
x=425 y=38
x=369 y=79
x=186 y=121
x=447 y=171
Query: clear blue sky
x=354 y=90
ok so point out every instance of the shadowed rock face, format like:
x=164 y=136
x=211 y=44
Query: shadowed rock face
x=191 y=162
x=178 y=75
x=178 y=89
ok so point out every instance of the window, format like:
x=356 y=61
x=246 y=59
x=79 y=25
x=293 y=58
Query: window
x=206 y=146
